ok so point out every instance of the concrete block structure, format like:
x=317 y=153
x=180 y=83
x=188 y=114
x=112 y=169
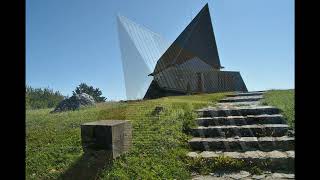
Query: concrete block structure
x=114 y=136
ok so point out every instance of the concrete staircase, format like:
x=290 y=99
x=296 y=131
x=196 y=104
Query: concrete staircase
x=241 y=128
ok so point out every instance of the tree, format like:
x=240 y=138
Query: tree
x=94 y=92
x=37 y=98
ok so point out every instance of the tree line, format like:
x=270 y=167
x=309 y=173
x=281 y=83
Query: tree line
x=38 y=98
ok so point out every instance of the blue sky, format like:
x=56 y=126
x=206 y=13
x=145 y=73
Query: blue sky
x=74 y=41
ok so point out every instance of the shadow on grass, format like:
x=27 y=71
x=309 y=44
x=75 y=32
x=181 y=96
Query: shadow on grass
x=89 y=166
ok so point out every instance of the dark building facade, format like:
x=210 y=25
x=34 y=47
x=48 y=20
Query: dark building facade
x=190 y=64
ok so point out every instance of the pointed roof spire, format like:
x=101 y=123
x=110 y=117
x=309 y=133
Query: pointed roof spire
x=196 y=40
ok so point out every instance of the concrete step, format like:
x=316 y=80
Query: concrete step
x=244 y=175
x=271 y=161
x=283 y=143
x=246 y=94
x=242 y=99
x=246 y=103
x=274 y=130
x=237 y=111
x=241 y=120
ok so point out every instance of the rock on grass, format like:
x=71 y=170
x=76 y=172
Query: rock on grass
x=74 y=102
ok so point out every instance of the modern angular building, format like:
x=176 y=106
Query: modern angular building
x=155 y=68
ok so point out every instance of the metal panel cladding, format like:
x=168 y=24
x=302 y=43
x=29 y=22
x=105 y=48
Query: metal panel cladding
x=140 y=50
x=197 y=39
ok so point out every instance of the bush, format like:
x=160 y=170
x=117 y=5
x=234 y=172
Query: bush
x=94 y=92
x=37 y=98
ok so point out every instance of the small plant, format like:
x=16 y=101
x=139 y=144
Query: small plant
x=255 y=170
x=188 y=119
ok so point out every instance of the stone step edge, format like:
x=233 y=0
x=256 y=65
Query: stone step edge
x=271 y=161
x=243 y=155
x=245 y=103
x=244 y=175
x=236 y=108
x=243 y=126
x=243 y=97
x=240 y=100
x=255 y=130
x=241 y=120
x=241 y=139
x=245 y=94
x=241 y=117
x=243 y=143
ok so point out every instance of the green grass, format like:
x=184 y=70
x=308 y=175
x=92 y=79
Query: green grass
x=53 y=143
x=284 y=100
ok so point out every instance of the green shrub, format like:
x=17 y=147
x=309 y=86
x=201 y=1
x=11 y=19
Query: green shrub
x=94 y=92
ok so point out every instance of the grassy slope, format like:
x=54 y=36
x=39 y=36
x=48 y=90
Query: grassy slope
x=53 y=143
x=284 y=100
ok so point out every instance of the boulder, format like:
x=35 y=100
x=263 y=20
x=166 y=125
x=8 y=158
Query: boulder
x=75 y=102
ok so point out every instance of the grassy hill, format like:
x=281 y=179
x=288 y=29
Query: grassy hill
x=53 y=143
x=159 y=145
x=284 y=100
